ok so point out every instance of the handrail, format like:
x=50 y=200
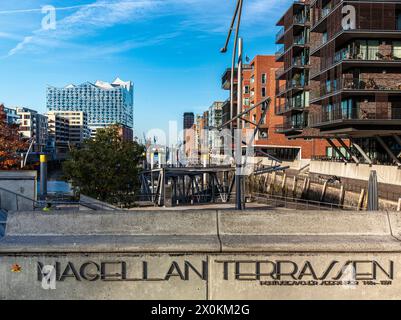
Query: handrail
x=40 y=203
x=17 y=194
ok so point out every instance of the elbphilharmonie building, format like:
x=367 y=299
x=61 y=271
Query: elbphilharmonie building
x=104 y=103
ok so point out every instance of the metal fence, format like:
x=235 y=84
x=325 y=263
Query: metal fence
x=276 y=201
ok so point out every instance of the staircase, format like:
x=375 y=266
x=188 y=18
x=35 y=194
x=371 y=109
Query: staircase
x=3 y=220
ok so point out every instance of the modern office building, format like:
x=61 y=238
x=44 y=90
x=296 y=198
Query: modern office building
x=11 y=115
x=104 y=103
x=33 y=126
x=292 y=88
x=356 y=76
x=59 y=135
x=189 y=120
x=77 y=125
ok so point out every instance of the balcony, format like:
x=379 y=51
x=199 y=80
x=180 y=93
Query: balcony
x=291 y=85
x=280 y=52
x=301 y=19
x=226 y=79
x=300 y=40
x=387 y=84
x=289 y=107
x=340 y=37
x=370 y=113
x=322 y=14
x=280 y=34
x=289 y=128
x=385 y=57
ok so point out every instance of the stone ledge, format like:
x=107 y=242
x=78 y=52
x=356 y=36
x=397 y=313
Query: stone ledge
x=197 y=231
x=134 y=223
x=255 y=222
x=109 y=244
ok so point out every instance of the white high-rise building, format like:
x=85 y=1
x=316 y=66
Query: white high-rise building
x=215 y=120
x=33 y=126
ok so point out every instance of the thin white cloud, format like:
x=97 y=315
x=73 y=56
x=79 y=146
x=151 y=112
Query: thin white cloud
x=202 y=15
x=87 y=18
x=9 y=36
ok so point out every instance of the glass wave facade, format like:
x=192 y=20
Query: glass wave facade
x=104 y=104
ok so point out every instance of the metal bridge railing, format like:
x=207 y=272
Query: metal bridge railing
x=301 y=204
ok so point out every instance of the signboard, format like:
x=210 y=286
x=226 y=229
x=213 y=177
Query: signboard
x=166 y=276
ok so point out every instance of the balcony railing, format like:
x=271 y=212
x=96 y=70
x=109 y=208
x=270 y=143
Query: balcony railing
x=280 y=51
x=300 y=19
x=289 y=126
x=280 y=34
x=299 y=62
x=294 y=84
x=285 y=107
x=322 y=14
x=389 y=54
x=356 y=84
x=363 y=111
x=300 y=39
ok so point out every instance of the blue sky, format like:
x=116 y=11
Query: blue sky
x=168 y=48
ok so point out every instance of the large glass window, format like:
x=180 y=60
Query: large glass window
x=346 y=109
x=399 y=21
x=367 y=49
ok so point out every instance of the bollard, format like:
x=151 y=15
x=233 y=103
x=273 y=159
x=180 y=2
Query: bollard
x=399 y=205
x=361 y=198
x=294 y=186
x=43 y=176
x=304 y=187
x=342 y=196
x=284 y=182
x=323 y=191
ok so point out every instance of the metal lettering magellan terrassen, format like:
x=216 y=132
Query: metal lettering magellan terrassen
x=231 y=270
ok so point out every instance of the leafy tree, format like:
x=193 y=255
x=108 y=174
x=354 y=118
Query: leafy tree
x=106 y=168
x=11 y=143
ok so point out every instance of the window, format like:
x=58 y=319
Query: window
x=264 y=78
x=263 y=92
x=246 y=89
x=246 y=102
x=324 y=37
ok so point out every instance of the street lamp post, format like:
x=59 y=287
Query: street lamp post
x=238 y=143
x=238 y=135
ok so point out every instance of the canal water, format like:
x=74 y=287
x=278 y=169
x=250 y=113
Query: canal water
x=57 y=187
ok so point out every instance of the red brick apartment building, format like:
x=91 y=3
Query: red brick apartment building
x=342 y=62
x=259 y=82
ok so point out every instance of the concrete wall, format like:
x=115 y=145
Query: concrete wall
x=202 y=255
x=22 y=183
x=385 y=174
